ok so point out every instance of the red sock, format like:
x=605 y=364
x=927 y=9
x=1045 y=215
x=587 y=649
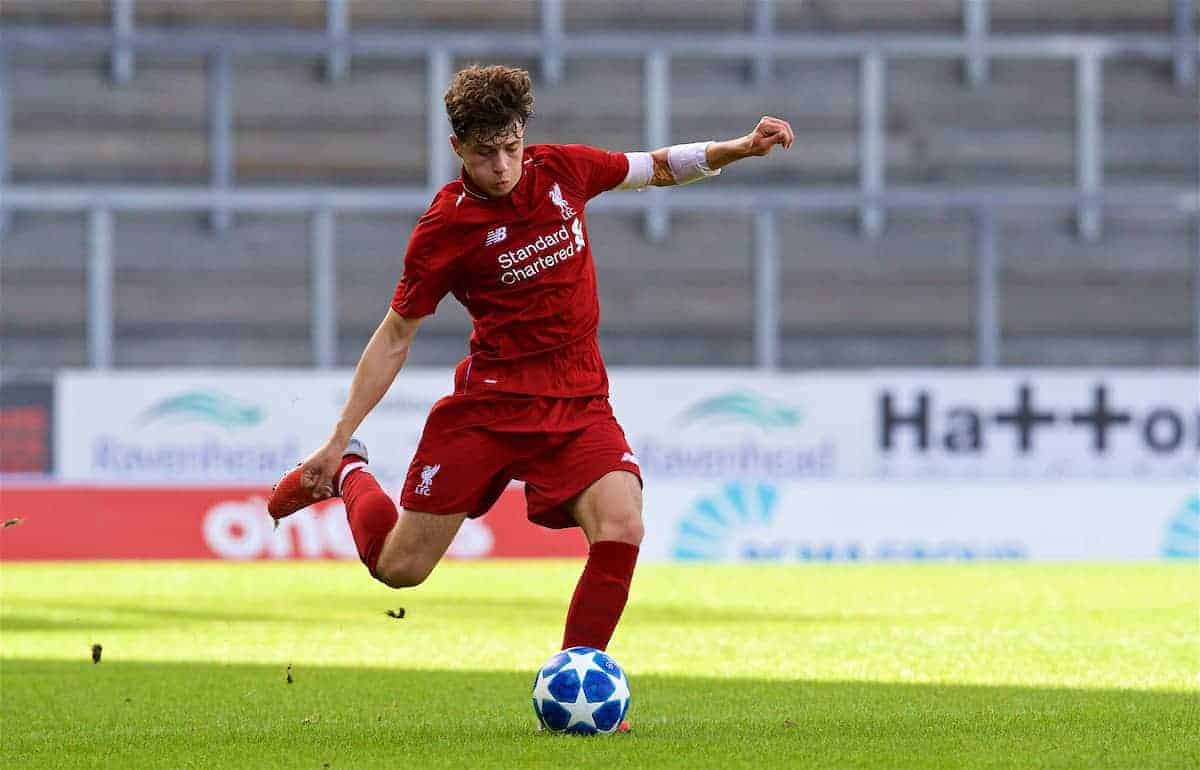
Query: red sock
x=600 y=595
x=371 y=513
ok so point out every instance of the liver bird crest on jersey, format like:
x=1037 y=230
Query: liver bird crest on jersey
x=556 y=197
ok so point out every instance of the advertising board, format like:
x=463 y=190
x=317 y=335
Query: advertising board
x=913 y=424
x=26 y=416
x=246 y=427
x=873 y=465
x=238 y=427
x=763 y=520
x=147 y=522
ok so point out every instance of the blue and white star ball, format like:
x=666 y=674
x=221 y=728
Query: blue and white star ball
x=581 y=690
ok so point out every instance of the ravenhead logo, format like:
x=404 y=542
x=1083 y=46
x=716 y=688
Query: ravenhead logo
x=204 y=406
x=716 y=522
x=742 y=407
x=739 y=434
x=1181 y=540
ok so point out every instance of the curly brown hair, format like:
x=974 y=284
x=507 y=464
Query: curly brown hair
x=483 y=102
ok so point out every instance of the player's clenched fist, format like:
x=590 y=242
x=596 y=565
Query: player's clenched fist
x=768 y=133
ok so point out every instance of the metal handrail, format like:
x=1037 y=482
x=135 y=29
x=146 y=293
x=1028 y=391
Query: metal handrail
x=763 y=203
x=239 y=42
x=1182 y=199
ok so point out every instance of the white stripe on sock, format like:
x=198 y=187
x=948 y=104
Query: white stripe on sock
x=346 y=472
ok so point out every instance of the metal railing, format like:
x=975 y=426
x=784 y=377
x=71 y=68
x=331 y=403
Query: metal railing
x=323 y=205
x=976 y=18
x=872 y=197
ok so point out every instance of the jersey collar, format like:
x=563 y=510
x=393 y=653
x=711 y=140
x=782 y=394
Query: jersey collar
x=469 y=186
x=519 y=195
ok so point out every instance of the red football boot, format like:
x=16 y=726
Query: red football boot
x=290 y=495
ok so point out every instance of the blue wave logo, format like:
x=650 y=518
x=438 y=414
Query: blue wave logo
x=204 y=406
x=705 y=532
x=1181 y=540
x=742 y=407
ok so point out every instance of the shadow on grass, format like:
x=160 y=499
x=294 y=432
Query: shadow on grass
x=54 y=615
x=134 y=714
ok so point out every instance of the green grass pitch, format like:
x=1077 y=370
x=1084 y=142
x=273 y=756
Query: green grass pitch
x=934 y=666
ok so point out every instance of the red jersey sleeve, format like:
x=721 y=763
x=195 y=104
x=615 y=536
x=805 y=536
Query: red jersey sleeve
x=428 y=270
x=594 y=170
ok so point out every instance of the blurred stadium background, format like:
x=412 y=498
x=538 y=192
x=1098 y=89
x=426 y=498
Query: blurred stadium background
x=978 y=265
x=958 y=321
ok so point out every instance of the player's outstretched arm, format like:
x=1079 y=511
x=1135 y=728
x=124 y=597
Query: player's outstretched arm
x=768 y=133
x=685 y=163
x=377 y=369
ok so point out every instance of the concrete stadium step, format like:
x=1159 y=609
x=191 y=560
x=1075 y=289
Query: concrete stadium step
x=661 y=301
x=1122 y=305
x=374 y=245
x=42 y=350
x=63 y=12
x=173 y=95
x=585 y=14
x=206 y=347
x=1140 y=244
x=70 y=124
x=1083 y=14
x=1018 y=156
x=289 y=13
x=1006 y=14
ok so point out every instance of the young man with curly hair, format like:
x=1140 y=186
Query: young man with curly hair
x=509 y=240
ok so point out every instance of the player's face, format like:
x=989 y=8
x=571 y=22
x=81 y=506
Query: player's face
x=495 y=165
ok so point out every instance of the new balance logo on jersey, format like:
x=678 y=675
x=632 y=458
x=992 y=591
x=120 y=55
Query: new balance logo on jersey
x=495 y=236
x=556 y=197
x=427 y=474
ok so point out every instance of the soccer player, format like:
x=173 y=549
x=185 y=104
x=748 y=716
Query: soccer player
x=509 y=240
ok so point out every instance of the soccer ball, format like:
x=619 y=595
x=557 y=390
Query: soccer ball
x=580 y=690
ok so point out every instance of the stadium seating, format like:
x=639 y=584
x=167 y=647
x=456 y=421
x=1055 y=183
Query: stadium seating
x=840 y=15
x=846 y=300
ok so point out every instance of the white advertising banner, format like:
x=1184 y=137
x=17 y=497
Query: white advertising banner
x=871 y=465
x=760 y=520
x=913 y=424
x=226 y=427
x=684 y=424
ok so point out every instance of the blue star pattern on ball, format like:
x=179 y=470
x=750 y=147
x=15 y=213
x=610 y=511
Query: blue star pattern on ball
x=581 y=690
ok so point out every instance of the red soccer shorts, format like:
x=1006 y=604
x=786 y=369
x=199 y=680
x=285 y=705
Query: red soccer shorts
x=473 y=446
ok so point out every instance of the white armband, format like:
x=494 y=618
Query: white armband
x=641 y=171
x=689 y=162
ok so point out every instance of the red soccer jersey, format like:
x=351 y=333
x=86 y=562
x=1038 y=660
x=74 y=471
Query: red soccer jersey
x=522 y=266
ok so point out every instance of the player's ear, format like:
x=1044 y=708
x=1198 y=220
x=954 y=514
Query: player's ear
x=456 y=145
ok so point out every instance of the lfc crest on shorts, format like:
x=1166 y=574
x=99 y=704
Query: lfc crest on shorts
x=564 y=208
x=427 y=474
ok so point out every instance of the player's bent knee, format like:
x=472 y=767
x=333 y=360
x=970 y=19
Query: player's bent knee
x=625 y=527
x=633 y=530
x=402 y=572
